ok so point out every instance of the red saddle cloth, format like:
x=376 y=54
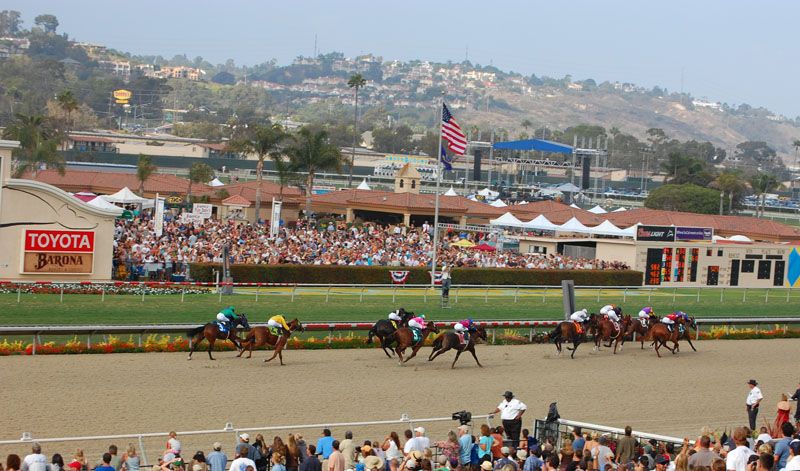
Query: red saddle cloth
x=461 y=338
x=578 y=327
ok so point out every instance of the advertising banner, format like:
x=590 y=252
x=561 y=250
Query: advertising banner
x=693 y=233
x=48 y=251
x=275 y=218
x=655 y=233
x=202 y=209
x=158 y=217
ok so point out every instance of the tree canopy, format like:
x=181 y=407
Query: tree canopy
x=686 y=197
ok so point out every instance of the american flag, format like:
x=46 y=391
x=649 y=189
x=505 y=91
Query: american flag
x=452 y=133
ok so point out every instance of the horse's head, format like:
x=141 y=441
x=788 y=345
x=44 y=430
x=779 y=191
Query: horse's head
x=405 y=316
x=618 y=310
x=431 y=327
x=692 y=322
x=243 y=321
x=295 y=325
x=481 y=332
x=591 y=321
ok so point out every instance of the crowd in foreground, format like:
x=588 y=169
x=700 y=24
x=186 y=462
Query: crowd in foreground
x=136 y=245
x=463 y=449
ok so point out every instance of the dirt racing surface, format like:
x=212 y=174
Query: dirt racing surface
x=74 y=395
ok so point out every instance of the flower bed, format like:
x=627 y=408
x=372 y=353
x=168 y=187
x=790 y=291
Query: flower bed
x=177 y=343
x=111 y=288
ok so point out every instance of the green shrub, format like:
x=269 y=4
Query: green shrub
x=335 y=274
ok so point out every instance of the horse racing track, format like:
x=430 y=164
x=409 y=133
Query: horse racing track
x=79 y=395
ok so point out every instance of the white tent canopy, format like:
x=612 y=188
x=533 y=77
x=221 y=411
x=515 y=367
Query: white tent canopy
x=215 y=182
x=125 y=196
x=363 y=185
x=101 y=203
x=629 y=232
x=507 y=219
x=597 y=210
x=488 y=193
x=607 y=228
x=451 y=192
x=568 y=188
x=619 y=210
x=541 y=223
x=573 y=225
x=573 y=205
x=498 y=203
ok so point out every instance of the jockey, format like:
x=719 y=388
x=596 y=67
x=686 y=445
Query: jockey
x=464 y=327
x=669 y=320
x=610 y=311
x=417 y=322
x=395 y=319
x=645 y=314
x=278 y=323
x=227 y=316
x=580 y=316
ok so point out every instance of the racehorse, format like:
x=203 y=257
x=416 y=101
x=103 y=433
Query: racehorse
x=384 y=327
x=606 y=330
x=405 y=338
x=451 y=340
x=566 y=332
x=212 y=333
x=261 y=335
x=660 y=334
x=636 y=327
x=683 y=331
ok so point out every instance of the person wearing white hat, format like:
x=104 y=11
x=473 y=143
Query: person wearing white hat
x=419 y=443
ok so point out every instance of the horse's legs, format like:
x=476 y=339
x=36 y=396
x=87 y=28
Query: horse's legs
x=414 y=351
x=211 y=342
x=194 y=343
x=275 y=352
x=689 y=339
x=558 y=348
x=280 y=355
x=472 y=351
x=436 y=353
x=657 y=344
x=575 y=343
x=399 y=351
x=458 y=354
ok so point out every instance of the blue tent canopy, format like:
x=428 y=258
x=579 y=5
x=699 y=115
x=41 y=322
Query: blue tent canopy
x=535 y=144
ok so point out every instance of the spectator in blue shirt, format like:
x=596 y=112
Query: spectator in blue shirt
x=782 y=446
x=534 y=462
x=464 y=446
x=217 y=461
x=325 y=444
x=578 y=441
x=106 y=466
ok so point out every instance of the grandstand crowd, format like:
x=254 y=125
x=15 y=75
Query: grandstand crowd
x=463 y=449
x=144 y=255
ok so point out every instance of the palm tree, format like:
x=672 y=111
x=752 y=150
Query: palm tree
x=356 y=81
x=730 y=182
x=796 y=145
x=762 y=183
x=263 y=141
x=198 y=173
x=144 y=168
x=526 y=123
x=68 y=103
x=37 y=145
x=310 y=153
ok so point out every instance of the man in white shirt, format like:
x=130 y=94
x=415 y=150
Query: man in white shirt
x=419 y=443
x=242 y=461
x=754 y=398
x=36 y=461
x=737 y=458
x=511 y=410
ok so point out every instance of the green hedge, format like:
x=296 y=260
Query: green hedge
x=334 y=274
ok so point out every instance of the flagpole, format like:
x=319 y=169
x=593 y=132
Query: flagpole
x=436 y=198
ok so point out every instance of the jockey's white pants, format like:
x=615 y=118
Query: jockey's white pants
x=274 y=323
x=667 y=320
x=613 y=316
x=415 y=324
x=578 y=317
x=221 y=317
x=394 y=316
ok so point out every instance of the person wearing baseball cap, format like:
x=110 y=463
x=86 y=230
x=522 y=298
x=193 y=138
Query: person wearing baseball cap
x=752 y=402
x=217 y=461
x=511 y=410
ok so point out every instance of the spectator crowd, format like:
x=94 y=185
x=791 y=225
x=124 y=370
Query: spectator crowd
x=141 y=252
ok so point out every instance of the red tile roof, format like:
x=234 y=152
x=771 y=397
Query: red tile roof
x=557 y=213
x=111 y=182
x=237 y=200
x=757 y=229
x=248 y=191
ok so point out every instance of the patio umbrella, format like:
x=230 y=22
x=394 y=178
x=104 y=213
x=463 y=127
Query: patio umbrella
x=463 y=243
x=484 y=248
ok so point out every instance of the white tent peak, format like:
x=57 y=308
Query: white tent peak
x=573 y=205
x=541 y=223
x=100 y=202
x=498 y=203
x=597 y=210
x=216 y=182
x=507 y=219
x=451 y=192
x=363 y=185
x=125 y=196
x=619 y=210
x=573 y=225
x=489 y=193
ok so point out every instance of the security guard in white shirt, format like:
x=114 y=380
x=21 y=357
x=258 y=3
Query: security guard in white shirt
x=511 y=411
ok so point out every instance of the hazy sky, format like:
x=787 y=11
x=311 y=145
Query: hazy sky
x=729 y=50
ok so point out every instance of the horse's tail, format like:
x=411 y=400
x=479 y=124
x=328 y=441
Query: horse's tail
x=555 y=335
x=437 y=342
x=193 y=332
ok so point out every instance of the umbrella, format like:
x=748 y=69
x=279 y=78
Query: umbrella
x=463 y=243
x=484 y=248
